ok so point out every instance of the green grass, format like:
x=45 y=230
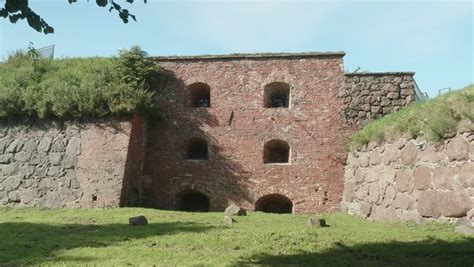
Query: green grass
x=431 y=119
x=102 y=237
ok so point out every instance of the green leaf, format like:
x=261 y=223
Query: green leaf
x=101 y=3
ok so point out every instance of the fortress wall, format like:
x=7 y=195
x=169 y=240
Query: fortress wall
x=236 y=127
x=412 y=180
x=56 y=164
x=369 y=96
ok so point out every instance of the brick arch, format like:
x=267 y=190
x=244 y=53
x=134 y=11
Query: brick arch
x=273 y=190
x=193 y=187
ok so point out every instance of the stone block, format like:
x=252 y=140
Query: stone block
x=22 y=156
x=428 y=204
x=404 y=180
x=383 y=214
x=453 y=204
x=73 y=147
x=403 y=201
x=55 y=158
x=349 y=190
x=362 y=192
x=10 y=169
x=422 y=178
x=375 y=157
x=443 y=177
x=409 y=153
x=228 y=220
x=458 y=149
x=14 y=146
x=388 y=196
x=466 y=175
x=30 y=145
x=44 y=144
x=391 y=154
x=235 y=210
x=12 y=183
x=6 y=158
x=374 y=193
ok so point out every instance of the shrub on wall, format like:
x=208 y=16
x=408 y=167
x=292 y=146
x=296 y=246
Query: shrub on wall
x=77 y=88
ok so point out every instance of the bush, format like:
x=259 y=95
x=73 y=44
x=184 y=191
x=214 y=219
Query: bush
x=77 y=88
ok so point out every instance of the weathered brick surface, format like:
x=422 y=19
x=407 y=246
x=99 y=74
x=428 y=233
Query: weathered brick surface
x=236 y=127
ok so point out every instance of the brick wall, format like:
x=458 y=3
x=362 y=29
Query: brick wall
x=236 y=127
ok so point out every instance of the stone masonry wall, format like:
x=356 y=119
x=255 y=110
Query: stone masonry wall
x=62 y=164
x=368 y=96
x=412 y=180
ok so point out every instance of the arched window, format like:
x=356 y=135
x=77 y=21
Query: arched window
x=277 y=95
x=276 y=151
x=199 y=95
x=192 y=200
x=274 y=203
x=196 y=149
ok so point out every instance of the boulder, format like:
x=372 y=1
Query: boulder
x=316 y=222
x=139 y=220
x=235 y=210
x=228 y=220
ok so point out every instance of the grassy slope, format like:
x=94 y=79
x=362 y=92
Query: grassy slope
x=67 y=88
x=102 y=237
x=431 y=119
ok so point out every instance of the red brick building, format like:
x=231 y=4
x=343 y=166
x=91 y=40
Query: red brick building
x=263 y=131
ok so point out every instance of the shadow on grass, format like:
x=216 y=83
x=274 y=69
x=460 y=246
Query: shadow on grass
x=429 y=252
x=33 y=243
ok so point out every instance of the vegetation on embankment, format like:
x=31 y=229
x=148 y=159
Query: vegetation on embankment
x=77 y=87
x=432 y=120
x=102 y=237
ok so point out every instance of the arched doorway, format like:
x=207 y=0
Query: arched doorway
x=192 y=200
x=274 y=203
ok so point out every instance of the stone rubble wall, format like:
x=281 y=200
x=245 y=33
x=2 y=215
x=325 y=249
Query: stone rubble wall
x=62 y=164
x=369 y=96
x=411 y=180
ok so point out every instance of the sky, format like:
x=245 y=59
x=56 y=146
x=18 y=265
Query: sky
x=432 y=38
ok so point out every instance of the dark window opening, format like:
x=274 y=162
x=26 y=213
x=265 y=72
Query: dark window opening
x=197 y=149
x=193 y=201
x=277 y=95
x=199 y=95
x=276 y=151
x=274 y=203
